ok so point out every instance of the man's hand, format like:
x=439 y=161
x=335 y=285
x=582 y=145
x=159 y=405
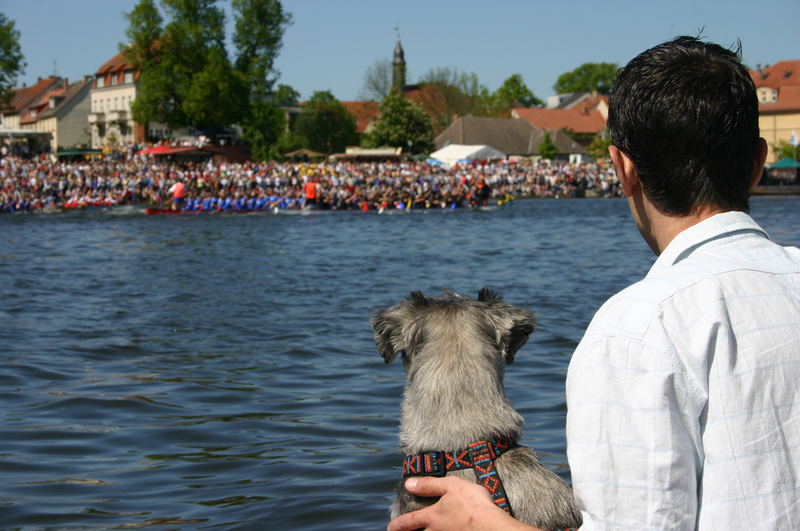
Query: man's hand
x=463 y=506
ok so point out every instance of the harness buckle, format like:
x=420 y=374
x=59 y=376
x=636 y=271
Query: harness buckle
x=438 y=468
x=430 y=463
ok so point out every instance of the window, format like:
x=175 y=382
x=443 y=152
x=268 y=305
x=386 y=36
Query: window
x=101 y=82
x=128 y=77
x=114 y=79
x=767 y=95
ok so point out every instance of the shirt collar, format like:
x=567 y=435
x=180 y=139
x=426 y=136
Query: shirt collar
x=717 y=227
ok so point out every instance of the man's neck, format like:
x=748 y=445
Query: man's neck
x=665 y=228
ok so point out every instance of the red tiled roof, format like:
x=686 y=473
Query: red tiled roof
x=591 y=102
x=788 y=100
x=115 y=64
x=578 y=120
x=24 y=96
x=365 y=112
x=778 y=75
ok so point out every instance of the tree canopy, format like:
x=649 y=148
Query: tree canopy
x=515 y=93
x=187 y=77
x=547 y=149
x=12 y=63
x=587 y=78
x=401 y=123
x=326 y=125
x=785 y=149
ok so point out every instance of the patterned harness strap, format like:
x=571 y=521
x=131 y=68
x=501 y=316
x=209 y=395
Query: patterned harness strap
x=480 y=456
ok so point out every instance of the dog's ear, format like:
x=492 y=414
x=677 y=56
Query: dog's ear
x=418 y=299
x=488 y=295
x=523 y=322
x=387 y=326
x=393 y=327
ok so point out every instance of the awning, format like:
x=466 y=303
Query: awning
x=166 y=150
x=74 y=152
x=784 y=163
x=21 y=133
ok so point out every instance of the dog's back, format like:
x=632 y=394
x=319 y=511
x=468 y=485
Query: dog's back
x=454 y=349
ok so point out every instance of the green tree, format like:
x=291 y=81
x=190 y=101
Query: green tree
x=188 y=53
x=784 y=149
x=217 y=92
x=598 y=147
x=154 y=100
x=12 y=63
x=145 y=26
x=401 y=123
x=587 y=78
x=258 y=38
x=547 y=149
x=326 y=124
x=263 y=129
x=515 y=93
x=286 y=96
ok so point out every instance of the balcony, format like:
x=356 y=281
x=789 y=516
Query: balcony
x=96 y=117
x=118 y=116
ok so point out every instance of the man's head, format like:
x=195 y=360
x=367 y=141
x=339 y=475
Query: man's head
x=686 y=114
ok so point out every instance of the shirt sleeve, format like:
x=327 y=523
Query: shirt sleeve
x=633 y=434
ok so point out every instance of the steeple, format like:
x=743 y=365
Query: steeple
x=399 y=67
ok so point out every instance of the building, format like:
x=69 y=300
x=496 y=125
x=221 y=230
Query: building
x=512 y=136
x=583 y=117
x=365 y=113
x=61 y=112
x=778 y=90
x=22 y=98
x=112 y=94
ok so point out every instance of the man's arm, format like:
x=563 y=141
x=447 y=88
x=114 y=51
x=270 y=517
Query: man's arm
x=463 y=506
x=633 y=434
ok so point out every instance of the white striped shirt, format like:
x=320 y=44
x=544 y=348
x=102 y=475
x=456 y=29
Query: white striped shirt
x=684 y=394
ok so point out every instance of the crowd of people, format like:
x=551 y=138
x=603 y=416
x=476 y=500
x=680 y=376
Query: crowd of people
x=41 y=183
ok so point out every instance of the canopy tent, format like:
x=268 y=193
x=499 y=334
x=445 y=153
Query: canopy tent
x=454 y=153
x=166 y=150
x=19 y=133
x=785 y=163
x=304 y=153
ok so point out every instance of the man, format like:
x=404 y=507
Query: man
x=683 y=398
x=178 y=191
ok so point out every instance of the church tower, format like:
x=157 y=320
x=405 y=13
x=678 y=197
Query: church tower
x=399 y=68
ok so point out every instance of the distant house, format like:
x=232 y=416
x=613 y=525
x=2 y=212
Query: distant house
x=22 y=98
x=512 y=136
x=365 y=113
x=112 y=94
x=61 y=112
x=582 y=120
x=778 y=91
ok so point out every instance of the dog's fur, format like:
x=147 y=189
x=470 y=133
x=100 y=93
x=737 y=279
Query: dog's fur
x=454 y=350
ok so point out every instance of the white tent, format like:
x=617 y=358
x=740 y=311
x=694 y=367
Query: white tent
x=454 y=153
x=4 y=132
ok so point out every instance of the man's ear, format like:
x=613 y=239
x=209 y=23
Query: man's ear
x=626 y=171
x=758 y=163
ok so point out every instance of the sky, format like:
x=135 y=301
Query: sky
x=331 y=43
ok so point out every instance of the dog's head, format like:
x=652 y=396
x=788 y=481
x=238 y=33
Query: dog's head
x=406 y=327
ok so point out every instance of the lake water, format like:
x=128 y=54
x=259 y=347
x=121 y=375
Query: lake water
x=217 y=371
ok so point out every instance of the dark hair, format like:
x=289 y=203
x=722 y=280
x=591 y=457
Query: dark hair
x=686 y=113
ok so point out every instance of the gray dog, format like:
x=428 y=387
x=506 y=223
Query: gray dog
x=455 y=418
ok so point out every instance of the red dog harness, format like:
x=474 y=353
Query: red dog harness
x=479 y=456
